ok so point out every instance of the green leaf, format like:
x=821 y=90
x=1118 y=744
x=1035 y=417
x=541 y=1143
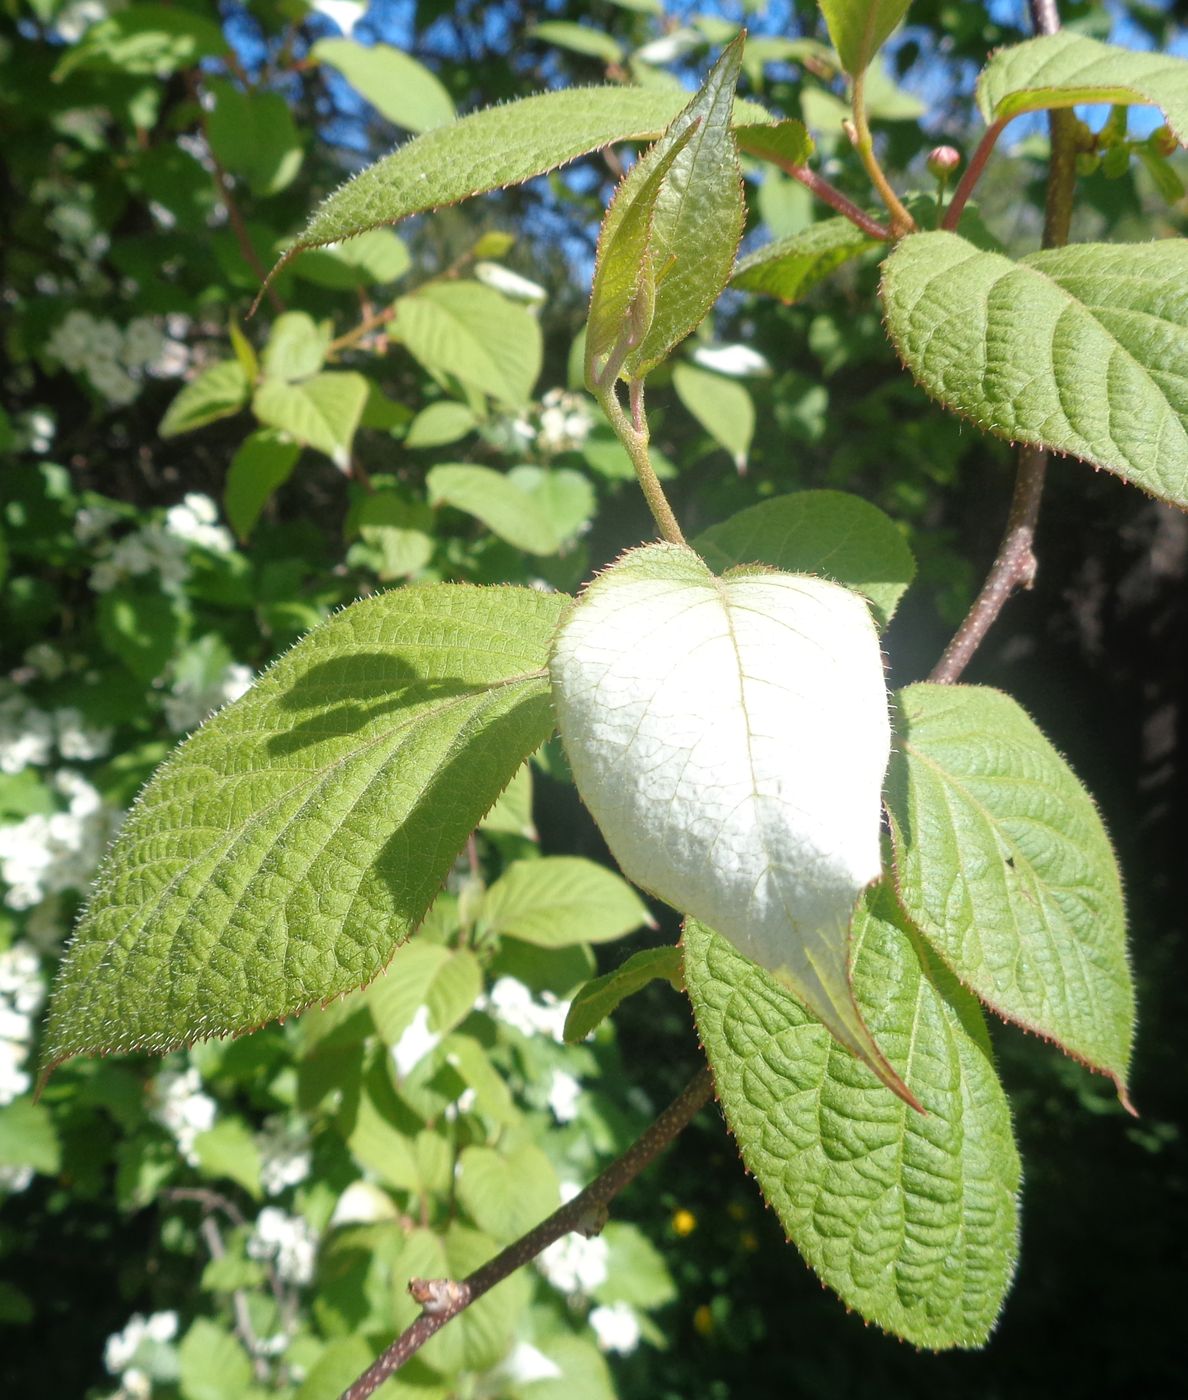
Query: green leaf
x=297 y=346
x=698 y=217
x=623 y=298
x=910 y=1218
x=253 y=135
x=512 y=814
x=859 y=28
x=789 y=268
x=829 y=533
x=218 y=392
x=322 y=412
x=578 y=38
x=445 y=981
x=149 y=40
x=565 y=496
x=786 y=142
x=286 y=849
x=599 y=997
x=344 y=1360
x=507 y=1193
x=722 y=407
x=494 y=147
x=396 y=85
x=1067 y=69
x=142 y=628
x=213 y=1364
x=399 y=531
x=229 y=1151
x=381 y=1132
x=1083 y=350
x=369 y=259
x=518 y=509
x=1003 y=862
x=262 y=464
x=559 y=900
x=28 y=1137
x=730 y=738
x=439 y=424
x=473 y=333
x=635 y=1268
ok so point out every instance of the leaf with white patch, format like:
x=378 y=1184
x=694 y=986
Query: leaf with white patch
x=730 y=737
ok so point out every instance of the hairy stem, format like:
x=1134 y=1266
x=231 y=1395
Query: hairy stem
x=442 y=1299
x=633 y=434
x=972 y=174
x=901 y=221
x=1015 y=564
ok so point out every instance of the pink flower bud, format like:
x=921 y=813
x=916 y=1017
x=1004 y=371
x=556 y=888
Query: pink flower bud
x=942 y=161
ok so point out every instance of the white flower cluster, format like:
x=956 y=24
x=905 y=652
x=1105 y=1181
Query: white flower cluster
x=510 y=1001
x=177 y=1102
x=289 y=1241
x=564 y=1093
x=44 y=855
x=128 y=1354
x=28 y=735
x=575 y=1265
x=74 y=19
x=21 y=993
x=115 y=361
x=565 y=422
x=415 y=1043
x=564 y=425
x=285 y=1157
x=616 y=1327
x=190 y=702
x=154 y=548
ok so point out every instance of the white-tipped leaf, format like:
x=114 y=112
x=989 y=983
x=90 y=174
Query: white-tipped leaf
x=730 y=736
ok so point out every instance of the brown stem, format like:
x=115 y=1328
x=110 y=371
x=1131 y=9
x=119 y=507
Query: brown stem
x=972 y=174
x=1013 y=567
x=826 y=192
x=1015 y=564
x=442 y=1299
x=227 y=198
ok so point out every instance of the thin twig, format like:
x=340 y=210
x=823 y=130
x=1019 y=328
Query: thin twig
x=1015 y=564
x=832 y=196
x=212 y=1201
x=227 y=197
x=239 y=1305
x=972 y=174
x=901 y=221
x=442 y=1299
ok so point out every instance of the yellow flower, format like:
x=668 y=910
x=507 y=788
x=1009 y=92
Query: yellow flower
x=703 y=1320
x=684 y=1222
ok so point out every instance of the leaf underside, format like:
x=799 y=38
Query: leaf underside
x=910 y=1218
x=283 y=852
x=1067 y=69
x=730 y=738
